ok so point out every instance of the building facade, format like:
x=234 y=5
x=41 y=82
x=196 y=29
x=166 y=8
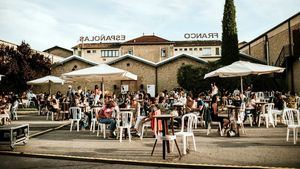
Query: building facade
x=280 y=46
x=149 y=47
x=59 y=51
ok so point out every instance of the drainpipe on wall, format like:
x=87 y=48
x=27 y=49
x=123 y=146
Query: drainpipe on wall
x=156 y=88
x=290 y=61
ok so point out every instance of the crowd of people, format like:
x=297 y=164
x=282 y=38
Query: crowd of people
x=177 y=102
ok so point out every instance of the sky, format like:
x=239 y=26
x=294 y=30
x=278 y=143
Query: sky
x=47 y=23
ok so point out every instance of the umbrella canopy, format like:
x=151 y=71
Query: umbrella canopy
x=46 y=80
x=243 y=68
x=99 y=73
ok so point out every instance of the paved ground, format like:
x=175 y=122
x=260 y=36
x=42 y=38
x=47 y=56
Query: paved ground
x=40 y=163
x=259 y=147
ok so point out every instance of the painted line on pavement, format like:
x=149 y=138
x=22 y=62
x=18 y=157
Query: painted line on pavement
x=48 y=130
x=128 y=162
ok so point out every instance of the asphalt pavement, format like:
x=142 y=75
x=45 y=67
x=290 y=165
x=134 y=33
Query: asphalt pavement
x=258 y=148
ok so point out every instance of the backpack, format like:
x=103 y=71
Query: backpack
x=231 y=133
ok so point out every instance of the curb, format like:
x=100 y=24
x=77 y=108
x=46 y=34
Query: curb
x=124 y=161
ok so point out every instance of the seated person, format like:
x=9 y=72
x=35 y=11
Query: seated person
x=278 y=102
x=189 y=106
x=162 y=105
x=214 y=113
x=200 y=103
x=54 y=107
x=105 y=116
x=292 y=101
x=151 y=108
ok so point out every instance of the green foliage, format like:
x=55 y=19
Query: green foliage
x=230 y=49
x=191 y=78
x=21 y=65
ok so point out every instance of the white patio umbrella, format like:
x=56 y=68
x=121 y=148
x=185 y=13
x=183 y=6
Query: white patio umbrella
x=46 y=80
x=243 y=68
x=99 y=73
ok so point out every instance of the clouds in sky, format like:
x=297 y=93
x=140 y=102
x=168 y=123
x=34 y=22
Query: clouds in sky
x=44 y=24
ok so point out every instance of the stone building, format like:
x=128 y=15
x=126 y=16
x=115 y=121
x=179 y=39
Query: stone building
x=280 y=46
x=149 y=47
x=59 y=51
x=161 y=75
x=53 y=57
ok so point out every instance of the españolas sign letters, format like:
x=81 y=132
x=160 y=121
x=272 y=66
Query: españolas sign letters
x=102 y=38
x=111 y=38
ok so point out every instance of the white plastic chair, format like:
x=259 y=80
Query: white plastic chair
x=102 y=128
x=76 y=116
x=94 y=112
x=14 y=112
x=260 y=96
x=214 y=123
x=191 y=119
x=241 y=116
x=30 y=102
x=124 y=121
x=288 y=115
x=249 y=117
x=145 y=125
x=266 y=114
x=50 y=113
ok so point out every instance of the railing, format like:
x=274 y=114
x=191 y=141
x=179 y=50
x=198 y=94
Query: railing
x=284 y=53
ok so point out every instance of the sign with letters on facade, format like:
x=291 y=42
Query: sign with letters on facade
x=201 y=35
x=102 y=38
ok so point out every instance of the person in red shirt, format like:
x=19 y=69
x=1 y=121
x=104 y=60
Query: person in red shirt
x=106 y=116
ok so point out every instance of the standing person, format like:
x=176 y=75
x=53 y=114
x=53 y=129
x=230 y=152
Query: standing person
x=97 y=95
x=214 y=89
x=79 y=91
x=70 y=93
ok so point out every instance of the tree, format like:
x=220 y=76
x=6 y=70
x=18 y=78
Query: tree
x=230 y=48
x=191 y=78
x=21 y=65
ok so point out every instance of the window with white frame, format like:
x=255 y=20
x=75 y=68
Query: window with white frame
x=206 y=51
x=109 y=53
x=163 y=52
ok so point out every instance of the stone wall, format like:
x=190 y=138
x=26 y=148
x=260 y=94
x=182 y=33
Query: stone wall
x=167 y=73
x=145 y=73
x=61 y=52
x=148 y=52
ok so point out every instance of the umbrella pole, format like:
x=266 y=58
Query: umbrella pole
x=242 y=85
x=103 y=92
x=50 y=89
